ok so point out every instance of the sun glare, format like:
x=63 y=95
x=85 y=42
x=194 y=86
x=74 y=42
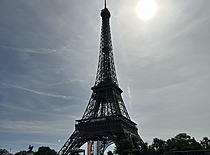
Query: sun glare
x=146 y=9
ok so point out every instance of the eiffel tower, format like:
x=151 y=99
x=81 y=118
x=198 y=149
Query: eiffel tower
x=106 y=118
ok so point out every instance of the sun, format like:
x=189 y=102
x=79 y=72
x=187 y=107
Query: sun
x=146 y=9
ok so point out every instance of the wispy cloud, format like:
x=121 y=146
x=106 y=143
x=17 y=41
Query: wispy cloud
x=41 y=127
x=38 y=92
x=29 y=50
x=129 y=95
x=69 y=81
x=42 y=143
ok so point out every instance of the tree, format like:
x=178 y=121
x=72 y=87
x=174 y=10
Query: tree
x=182 y=142
x=124 y=147
x=205 y=143
x=21 y=153
x=110 y=153
x=193 y=145
x=4 y=152
x=144 y=148
x=158 y=145
x=45 y=151
x=137 y=151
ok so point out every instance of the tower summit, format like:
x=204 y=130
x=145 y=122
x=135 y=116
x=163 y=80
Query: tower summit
x=106 y=118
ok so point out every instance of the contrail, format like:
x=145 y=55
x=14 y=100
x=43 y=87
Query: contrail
x=28 y=50
x=129 y=95
x=38 y=92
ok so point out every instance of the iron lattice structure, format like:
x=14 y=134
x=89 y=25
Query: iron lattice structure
x=106 y=118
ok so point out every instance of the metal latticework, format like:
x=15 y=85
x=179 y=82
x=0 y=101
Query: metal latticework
x=106 y=99
x=106 y=118
x=106 y=73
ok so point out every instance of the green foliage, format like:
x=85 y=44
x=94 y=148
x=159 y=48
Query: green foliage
x=144 y=148
x=124 y=147
x=182 y=142
x=158 y=145
x=45 y=151
x=21 y=153
x=205 y=143
x=136 y=151
x=110 y=153
x=4 y=152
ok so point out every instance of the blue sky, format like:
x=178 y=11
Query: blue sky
x=48 y=59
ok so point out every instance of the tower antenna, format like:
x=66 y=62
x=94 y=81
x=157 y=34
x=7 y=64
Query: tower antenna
x=105 y=3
